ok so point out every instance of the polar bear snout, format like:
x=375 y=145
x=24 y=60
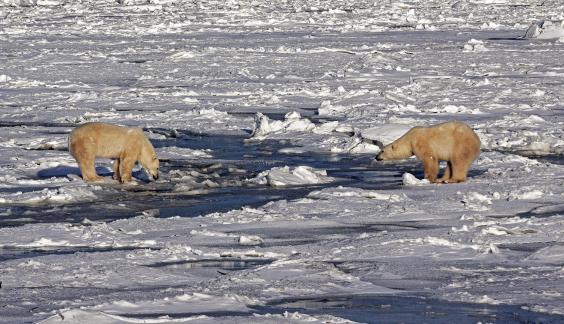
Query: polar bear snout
x=153 y=173
x=379 y=157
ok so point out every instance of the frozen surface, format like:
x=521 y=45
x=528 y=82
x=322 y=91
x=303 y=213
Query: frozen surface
x=270 y=206
x=286 y=176
x=546 y=30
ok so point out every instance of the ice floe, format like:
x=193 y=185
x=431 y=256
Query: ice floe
x=409 y=179
x=386 y=133
x=54 y=196
x=291 y=176
x=292 y=122
x=546 y=29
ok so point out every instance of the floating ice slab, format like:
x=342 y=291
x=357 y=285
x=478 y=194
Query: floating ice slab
x=385 y=134
x=287 y=176
x=410 y=180
x=293 y=122
x=545 y=29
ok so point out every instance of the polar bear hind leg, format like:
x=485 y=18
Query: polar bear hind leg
x=459 y=171
x=116 y=175
x=85 y=159
x=447 y=173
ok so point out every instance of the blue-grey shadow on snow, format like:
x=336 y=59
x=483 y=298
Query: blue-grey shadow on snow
x=65 y=170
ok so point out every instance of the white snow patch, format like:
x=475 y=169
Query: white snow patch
x=487 y=300
x=81 y=96
x=356 y=145
x=475 y=45
x=81 y=316
x=331 y=193
x=526 y=194
x=291 y=176
x=12 y=180
x=545 y=29
x=409 y=179
x=22 y=3
x=172 y=152
x=297 y=317
x=494 y=230
x=326 y=108
x=45 y=242
x=250 y=240
x=292 y=122
x=436 y=241
x=181 y=56
x=136 y=312
x=56 y=196
x=386 y=133
x=206 y=232
x=538 y=148
x=454 y=109
x=477 y=201
x=326 y=128
x=551 y=255
x=4 y=78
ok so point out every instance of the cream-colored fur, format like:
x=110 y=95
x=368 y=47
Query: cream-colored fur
x=454 y=142
x=124 y=144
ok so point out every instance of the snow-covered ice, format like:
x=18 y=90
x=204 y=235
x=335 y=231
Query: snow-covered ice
x=286 y=176
x=270 y=206
x=546 y=29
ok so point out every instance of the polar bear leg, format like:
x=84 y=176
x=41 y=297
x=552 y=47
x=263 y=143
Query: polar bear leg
x=116 y=175
x=88 y=171
x=85 y=159
x=431 y=168
x=459 y=171
x=126 y=167
x=447 y=174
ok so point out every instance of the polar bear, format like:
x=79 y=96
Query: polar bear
x=124 y=144
x=453 y=142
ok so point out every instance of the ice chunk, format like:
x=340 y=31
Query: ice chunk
x=385 y=134
x=250 y=240
x=344 y=192
x=55 y=196
x=410 y=180
x=292 y=122
x=475 y=45
x=22 y=3
x=526 y=195
x=356 y=144
x=545 y=29
x=550 y=254
x=286 y=176
x=477 y=201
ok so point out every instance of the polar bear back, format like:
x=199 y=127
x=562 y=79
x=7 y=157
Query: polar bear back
x=106 y=140
x=448 y=139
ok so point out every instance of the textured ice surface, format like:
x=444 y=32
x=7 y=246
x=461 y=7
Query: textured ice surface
x=317 y=82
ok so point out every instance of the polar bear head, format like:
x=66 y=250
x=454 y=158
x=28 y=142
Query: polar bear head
x=398 y=150
x=149 y=160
